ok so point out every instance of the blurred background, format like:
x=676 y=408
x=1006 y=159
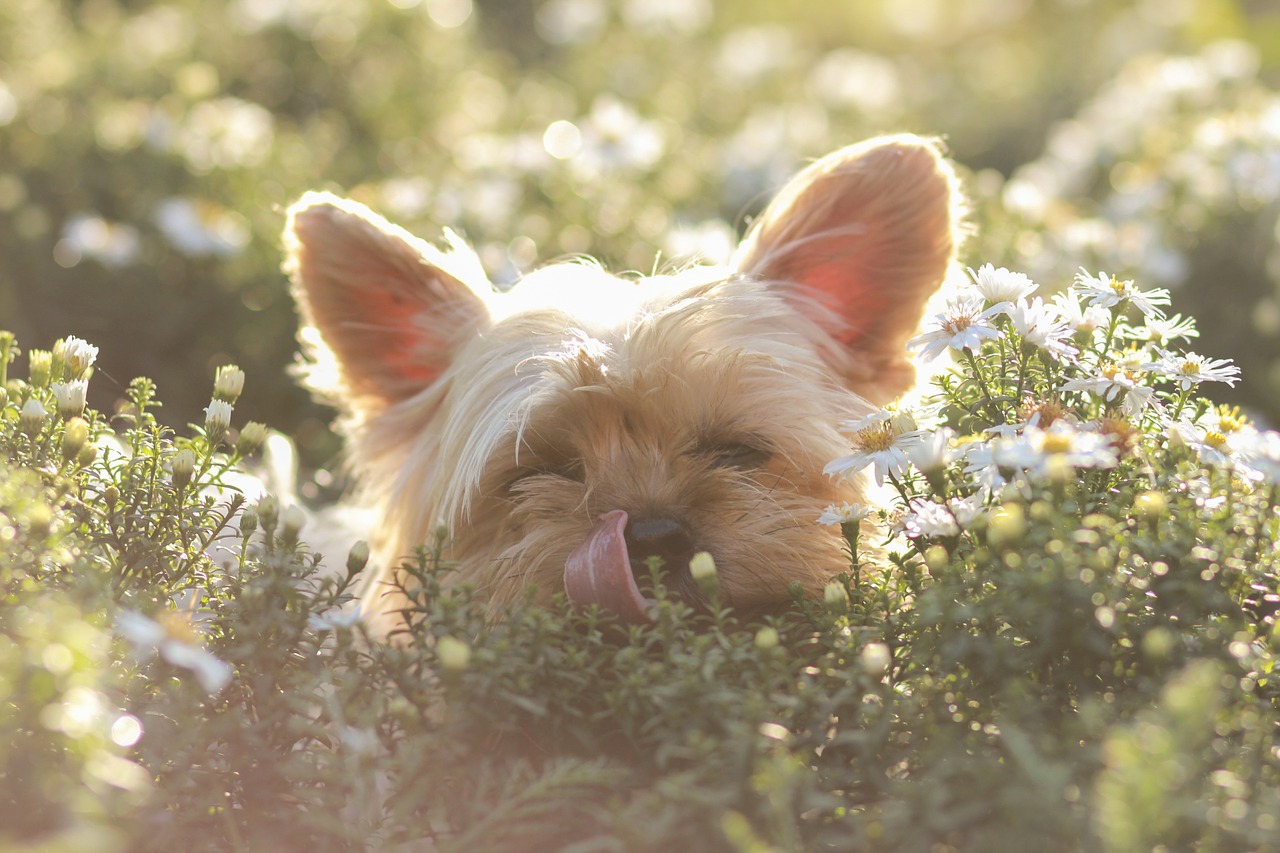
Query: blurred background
x=148 y=150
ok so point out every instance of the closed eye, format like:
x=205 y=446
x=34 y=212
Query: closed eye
x=743 y=457
x=570 y=469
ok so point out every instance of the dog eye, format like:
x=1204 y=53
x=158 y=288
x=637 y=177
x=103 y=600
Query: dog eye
x=571 y=469
x=741 y=456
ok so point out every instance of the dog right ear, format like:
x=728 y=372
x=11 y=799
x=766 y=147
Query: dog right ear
x=390 y=310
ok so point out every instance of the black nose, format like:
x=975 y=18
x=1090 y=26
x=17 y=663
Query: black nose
x=665 y=538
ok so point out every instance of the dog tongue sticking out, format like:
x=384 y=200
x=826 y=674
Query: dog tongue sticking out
x=599 y=572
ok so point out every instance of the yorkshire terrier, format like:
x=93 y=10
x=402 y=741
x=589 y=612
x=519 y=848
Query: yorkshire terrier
x=573 y=427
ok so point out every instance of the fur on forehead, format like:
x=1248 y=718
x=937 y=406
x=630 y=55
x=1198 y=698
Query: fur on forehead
x=705 y=336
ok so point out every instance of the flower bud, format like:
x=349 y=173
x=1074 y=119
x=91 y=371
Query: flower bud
x=767 y=638
x=79 y=355
x=268 y=512
x=32 y=417
x=250 y=438
x=183 y=465
x=836 y=596
x=454 y=654
x=74 y=436
x=1150 y=506
x=217 y=418
x=40 y=519
x=292 y=522
x=357 y=557
x=39 y=367
x=70 y=397
x=248 y=521
x=936 y=558
x=875 y=659
x=228 y=383
x=87 y=454
x=703 y=569
x=1007 y=524
x=110 y=496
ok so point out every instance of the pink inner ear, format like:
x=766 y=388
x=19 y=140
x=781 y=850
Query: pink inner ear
x=867 y=234
x=383 y=304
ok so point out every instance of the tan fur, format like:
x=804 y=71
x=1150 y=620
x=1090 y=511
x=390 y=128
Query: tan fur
x=518 y=418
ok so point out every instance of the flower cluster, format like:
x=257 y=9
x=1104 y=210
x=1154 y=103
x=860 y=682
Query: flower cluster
x=1080 y=391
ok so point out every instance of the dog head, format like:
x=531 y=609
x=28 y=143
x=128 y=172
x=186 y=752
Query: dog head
x=573 y=427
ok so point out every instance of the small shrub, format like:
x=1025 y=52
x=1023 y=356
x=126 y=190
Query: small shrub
x=1057 y=632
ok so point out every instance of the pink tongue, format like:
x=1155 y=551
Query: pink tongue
x=599 y=572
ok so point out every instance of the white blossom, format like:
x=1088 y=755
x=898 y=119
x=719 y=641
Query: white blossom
x=1038 y=451
x=1001 y=285
x=79 y=355
x=933 y=450
x=1113 y=383
x=1042 y=325
x=1189 y=369
x=70 y=396
x=845 y=513
x=178 y=644
x=963 y=325
x=880 y=440
x=1081 y=318
x=1162 y=330
x=1106 y=291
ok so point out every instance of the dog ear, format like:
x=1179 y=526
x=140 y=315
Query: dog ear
x=389 y=309
x=860 y=240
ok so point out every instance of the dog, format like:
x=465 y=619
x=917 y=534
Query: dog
x=570 y=429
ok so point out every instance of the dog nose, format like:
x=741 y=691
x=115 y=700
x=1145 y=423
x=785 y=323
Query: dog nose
x=666 y=538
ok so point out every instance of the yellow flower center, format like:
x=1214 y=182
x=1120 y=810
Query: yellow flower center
x=875 y=438
x=1215 y=439
x=1056 y=443
x=1230 y=419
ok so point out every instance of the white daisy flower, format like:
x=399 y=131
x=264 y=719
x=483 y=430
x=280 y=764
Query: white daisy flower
x=929 y=518
x=1106 y=291
x=79 y=355
x=926 y=518
x=1081 y=318
x=70 y=396
x=333 y=621
x=1114 y=383
x=1162 y=330
x=1189 y=369
x=933 y=451
x=177 y=642
x=1212 y=446
x=1001 y=285
x=1040 y=451
x=1042 y=326
x=1260 y=451
x=880 y=440
x=963 y=325
x=845 y=513
x=980 y=466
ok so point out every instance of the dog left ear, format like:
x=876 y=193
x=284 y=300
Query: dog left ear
x=860 y=240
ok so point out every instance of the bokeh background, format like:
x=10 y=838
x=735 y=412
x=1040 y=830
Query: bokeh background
x=148 y=150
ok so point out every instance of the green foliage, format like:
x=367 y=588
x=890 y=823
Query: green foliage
x=148 y=150
x=1079 y=654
